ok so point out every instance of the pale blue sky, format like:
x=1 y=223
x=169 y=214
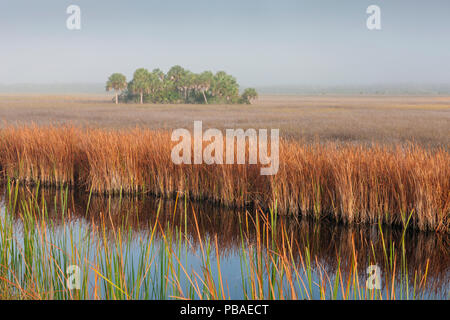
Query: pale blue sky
x=261 y=42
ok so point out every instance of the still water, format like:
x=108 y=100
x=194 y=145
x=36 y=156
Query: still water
x=194 y=225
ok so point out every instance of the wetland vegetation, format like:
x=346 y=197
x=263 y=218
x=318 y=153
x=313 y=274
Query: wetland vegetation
x=179 y=86
x=348 y=183
x=148 y=248
x=82 y=188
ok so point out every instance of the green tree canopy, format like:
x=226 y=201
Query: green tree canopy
x=116 y=82
x=248 y=95
x=141 y=83
x=183 y=86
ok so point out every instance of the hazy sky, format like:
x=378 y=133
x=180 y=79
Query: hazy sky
x=261 y=42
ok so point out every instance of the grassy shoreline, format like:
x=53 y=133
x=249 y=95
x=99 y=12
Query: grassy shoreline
x=351 y=184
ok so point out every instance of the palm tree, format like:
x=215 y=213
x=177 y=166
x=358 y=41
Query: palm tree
x=205 y=81
x=189 y=83
x=225 y=86
x=156 y=82
x=116 y=82
x=249 y=94
x=177 y=75
x=141 y=83
x=158 y=72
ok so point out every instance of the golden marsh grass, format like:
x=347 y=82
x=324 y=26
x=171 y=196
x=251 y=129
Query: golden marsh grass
x=346 y=182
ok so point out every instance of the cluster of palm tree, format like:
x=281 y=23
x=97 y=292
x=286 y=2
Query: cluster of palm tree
x=178 y=86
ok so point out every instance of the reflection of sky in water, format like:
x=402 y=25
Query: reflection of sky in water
x=324 y=241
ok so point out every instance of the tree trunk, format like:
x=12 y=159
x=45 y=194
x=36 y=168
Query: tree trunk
x=117 y=98
x=142 y=98
x=204 y=96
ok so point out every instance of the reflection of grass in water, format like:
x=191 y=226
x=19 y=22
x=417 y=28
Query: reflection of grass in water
x=274 y=265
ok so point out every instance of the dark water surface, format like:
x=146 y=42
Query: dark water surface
x=325 y=240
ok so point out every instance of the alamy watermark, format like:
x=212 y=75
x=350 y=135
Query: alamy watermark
x=374 y=279
x=374 y=20
x=73 y=281
x=235 y=147
x=73 y=22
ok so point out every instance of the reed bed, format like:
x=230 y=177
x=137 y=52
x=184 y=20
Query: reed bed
x=349 y=183
x=47 y=155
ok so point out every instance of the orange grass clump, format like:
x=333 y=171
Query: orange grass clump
x=48 y=155
x=352 y=184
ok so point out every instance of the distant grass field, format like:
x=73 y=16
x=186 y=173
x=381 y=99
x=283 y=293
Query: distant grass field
x=360 y=119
